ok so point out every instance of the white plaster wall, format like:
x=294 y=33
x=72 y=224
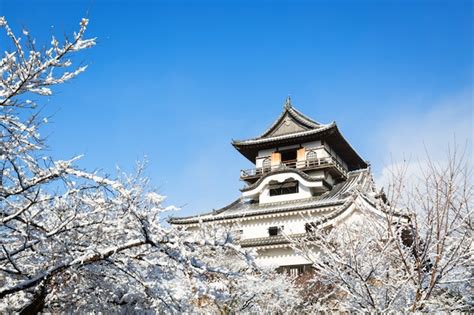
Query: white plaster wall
x=263 y=192
x=276 y=257
x=259 y=162
x=303 y=192
x=316 y=174
x=266 y=152
x=262 y=155
x=312 y=144
x=292 y=224
x=288 y=147
x=272 y=257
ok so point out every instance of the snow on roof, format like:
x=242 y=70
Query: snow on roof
x=359 y=180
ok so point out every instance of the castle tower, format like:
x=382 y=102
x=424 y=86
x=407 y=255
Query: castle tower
x=306 y=175
x=296 y=158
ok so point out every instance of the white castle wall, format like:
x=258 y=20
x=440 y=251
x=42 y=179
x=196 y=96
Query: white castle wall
x=303 y=192
x=275 y=257
x=306 y=188
x=292 y=224
x=279 y=255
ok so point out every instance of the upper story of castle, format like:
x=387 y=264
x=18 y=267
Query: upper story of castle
x=296 y=158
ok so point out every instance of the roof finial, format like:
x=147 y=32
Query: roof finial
x=288 y=102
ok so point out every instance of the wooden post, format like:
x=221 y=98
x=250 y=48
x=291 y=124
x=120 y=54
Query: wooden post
x=300 y=158
x=276 y=159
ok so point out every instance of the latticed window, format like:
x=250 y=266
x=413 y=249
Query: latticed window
x=287 y=187
x=312 y=155
x=267 y=163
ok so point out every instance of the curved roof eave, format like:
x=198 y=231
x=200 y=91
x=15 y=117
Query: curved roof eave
x=248 y=148
x=256 y=141
x=210 y=217
x=285 y=170
x=297 y=115
x=339 y=195
x=365 y=164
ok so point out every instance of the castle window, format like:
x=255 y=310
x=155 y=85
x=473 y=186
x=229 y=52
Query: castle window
x=312 y=155
x=288 y=155
x=287 y=187
x=275 y=230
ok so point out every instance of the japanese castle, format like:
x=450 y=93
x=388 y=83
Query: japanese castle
x=306 y=175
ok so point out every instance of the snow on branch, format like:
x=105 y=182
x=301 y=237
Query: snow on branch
x=79 y=241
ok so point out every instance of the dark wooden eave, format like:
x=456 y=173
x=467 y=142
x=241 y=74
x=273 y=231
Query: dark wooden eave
x=328 y=133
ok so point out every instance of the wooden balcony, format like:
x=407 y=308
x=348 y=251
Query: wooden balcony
x=305 y=165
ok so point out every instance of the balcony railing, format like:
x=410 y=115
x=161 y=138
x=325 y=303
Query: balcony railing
x=253 y=172
x=309 y=164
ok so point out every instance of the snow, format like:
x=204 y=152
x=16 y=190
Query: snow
x=96 y=242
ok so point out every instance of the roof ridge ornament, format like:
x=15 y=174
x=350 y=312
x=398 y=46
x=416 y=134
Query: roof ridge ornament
x=288 y=102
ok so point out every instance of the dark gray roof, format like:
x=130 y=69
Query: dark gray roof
x=360 y=180
x=290 y=124
x=296 y=117
x=292 y=127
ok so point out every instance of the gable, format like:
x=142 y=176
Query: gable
x=287 y=125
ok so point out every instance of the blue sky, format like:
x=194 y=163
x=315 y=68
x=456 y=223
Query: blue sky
x=176 y=81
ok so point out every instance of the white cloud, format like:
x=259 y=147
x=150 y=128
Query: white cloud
x=408 y=137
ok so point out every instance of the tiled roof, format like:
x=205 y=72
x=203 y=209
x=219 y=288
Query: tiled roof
x=360 y=180
x=261 y=140
x=296 y=115
x=306 y=125
x=293 y=128
x=272 y=240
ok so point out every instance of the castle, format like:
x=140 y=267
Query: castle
x=306 y=175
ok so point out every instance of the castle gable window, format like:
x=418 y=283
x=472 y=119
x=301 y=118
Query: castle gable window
x=287 y=187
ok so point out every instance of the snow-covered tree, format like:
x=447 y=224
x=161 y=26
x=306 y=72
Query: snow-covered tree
x=73 y=240
x=418 y=256
x=249 y=288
